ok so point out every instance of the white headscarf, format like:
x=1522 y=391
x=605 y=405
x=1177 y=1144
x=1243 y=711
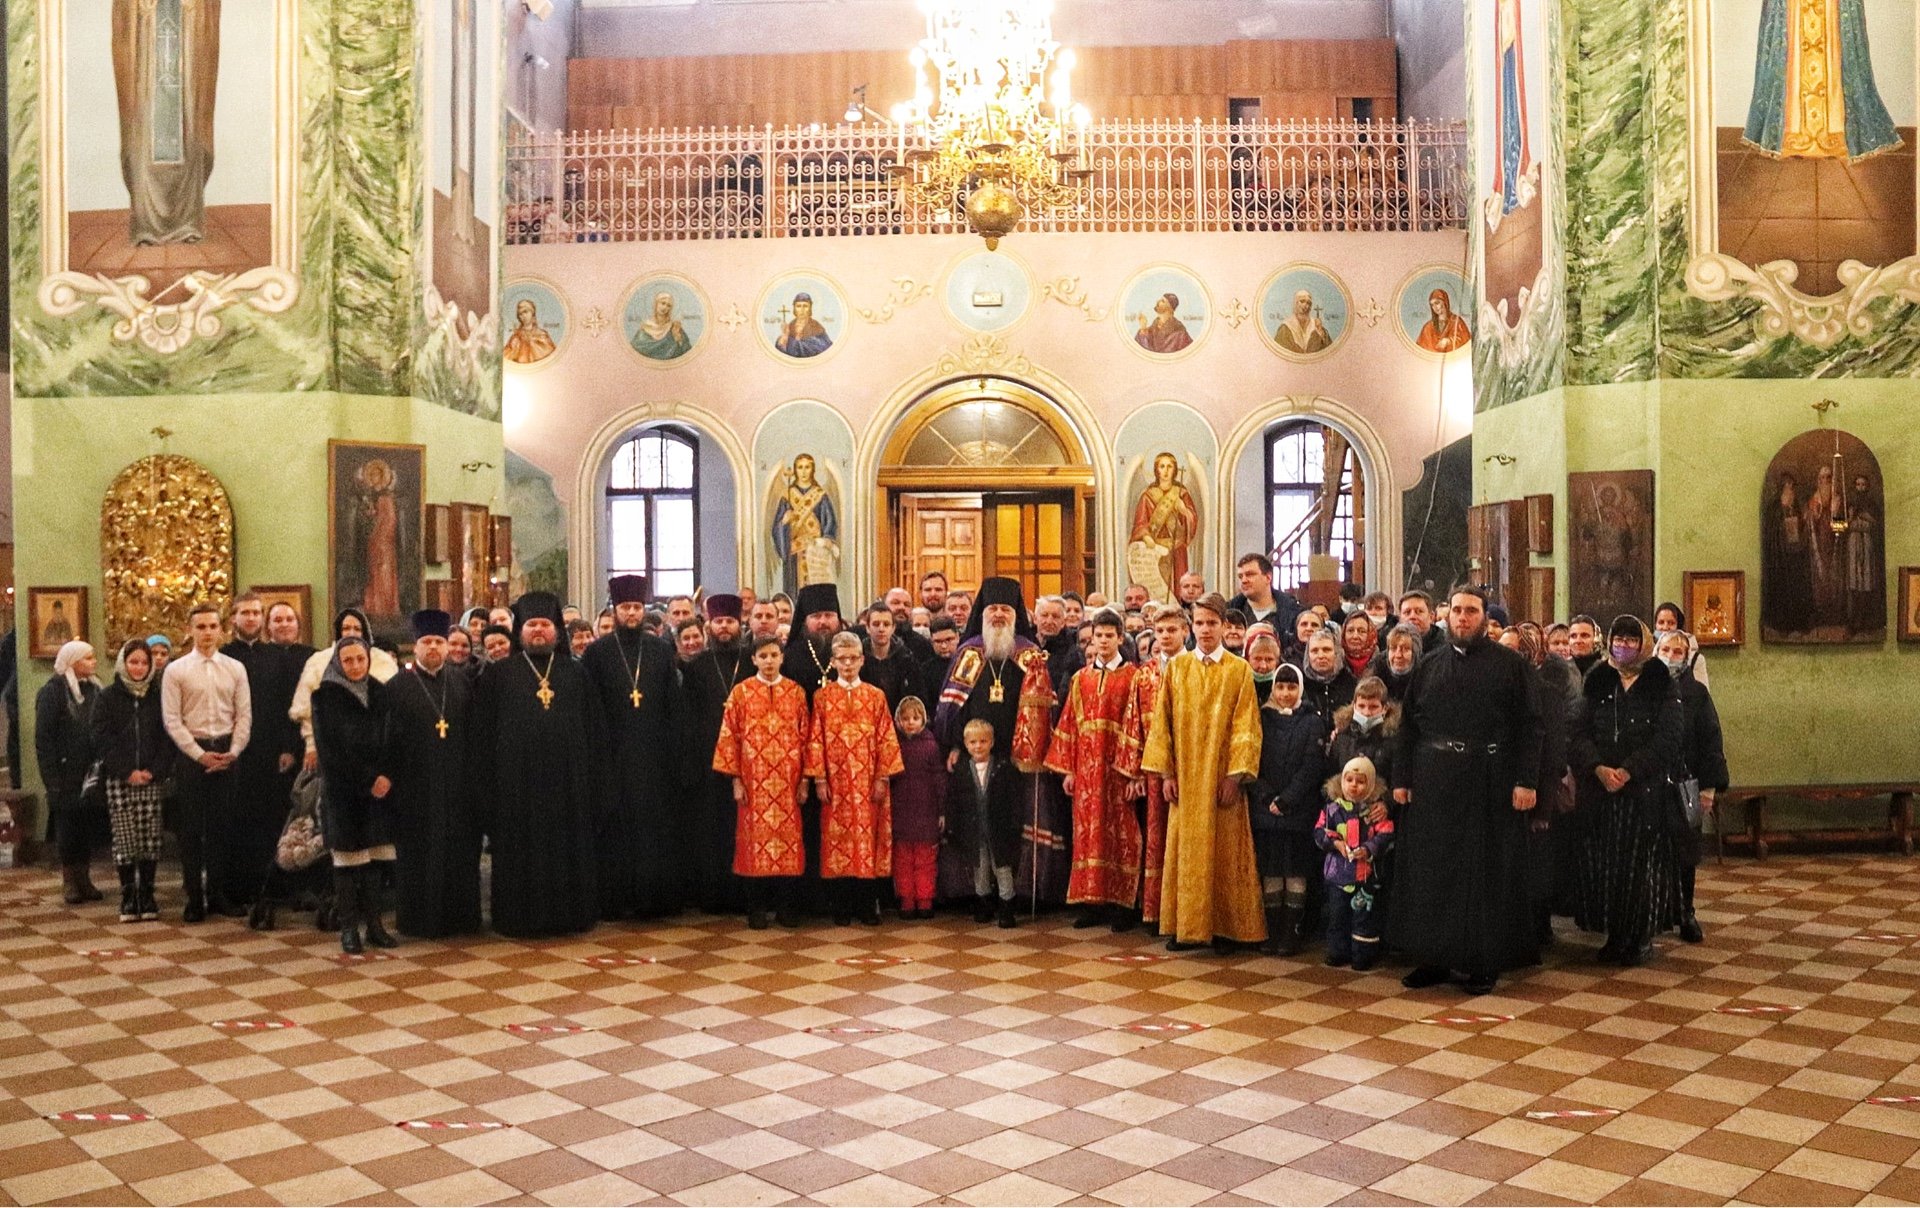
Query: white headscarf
x=63 y=663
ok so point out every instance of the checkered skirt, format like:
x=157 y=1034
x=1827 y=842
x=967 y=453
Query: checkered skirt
x=134 y=811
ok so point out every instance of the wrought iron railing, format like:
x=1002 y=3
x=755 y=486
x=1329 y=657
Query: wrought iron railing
x=768 y=182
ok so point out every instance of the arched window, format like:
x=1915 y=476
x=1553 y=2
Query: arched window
x=653 y=510
x=1305 y=463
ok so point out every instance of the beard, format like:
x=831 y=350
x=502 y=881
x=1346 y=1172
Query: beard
x=822 y=646
x=996 y=641
x=727 y=645
x=537 y=648
x=1472 y=637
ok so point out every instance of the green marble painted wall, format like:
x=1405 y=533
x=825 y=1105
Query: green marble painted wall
x=1785 y=709
x=257 y=402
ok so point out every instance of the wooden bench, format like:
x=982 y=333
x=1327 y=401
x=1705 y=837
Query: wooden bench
x=1899 y=827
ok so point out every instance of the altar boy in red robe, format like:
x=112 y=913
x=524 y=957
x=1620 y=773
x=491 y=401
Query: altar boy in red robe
x=1087 y=750
x=762 y=745
x=852 y=753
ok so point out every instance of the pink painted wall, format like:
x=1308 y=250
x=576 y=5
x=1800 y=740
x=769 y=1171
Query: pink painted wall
x=1406 y=402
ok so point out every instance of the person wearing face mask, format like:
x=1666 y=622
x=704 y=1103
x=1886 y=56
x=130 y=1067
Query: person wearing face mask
x=1329 y=685
x=1263 y=656
x=1626 y=745
x=1703 y=757
x=1400 y=652
x=1669 y=619
x=1282 y=804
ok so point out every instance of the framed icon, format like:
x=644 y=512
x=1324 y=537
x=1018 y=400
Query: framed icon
x=1717 y=605
x=55 y=616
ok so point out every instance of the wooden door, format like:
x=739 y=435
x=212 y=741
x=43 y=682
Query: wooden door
x=1033 y=542
x=1496 y=549
x=945 y=534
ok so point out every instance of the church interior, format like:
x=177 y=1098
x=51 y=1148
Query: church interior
x=426 y=307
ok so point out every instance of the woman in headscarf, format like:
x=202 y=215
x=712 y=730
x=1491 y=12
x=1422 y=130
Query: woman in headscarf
x=1359 y=642
x=350 y=623
x=351 y=733
x=1329 y=685
x=63 y=743
x=1668 y=618
x=1625 y=748
x=136 y=757
x=474 y=620
x=1394 y=664
x=1703 y=757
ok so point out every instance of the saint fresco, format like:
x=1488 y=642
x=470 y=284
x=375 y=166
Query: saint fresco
x=803 y=317
x=1823 y=523
x=1303 y=312
x=663 y=319
x=806 y=528
x=1164 y=311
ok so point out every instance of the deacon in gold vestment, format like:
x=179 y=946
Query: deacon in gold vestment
x=1204 y=742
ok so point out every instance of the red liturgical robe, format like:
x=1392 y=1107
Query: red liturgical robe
x=853 y=747
x=763 y=742
x=1087 y=745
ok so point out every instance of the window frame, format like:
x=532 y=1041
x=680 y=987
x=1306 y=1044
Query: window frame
x=1344 y=547
x=650 y=498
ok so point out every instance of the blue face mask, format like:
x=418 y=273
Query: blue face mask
x=1675 y=665
x=1364 y=724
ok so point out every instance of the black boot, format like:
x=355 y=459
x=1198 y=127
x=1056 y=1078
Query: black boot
x=88 y=891
x=1092 y=916
x=70 y=885
x=194 y=875
x=129 y=895
x=1005 y=913
x=143 y=881
x=1278 y=927
x=1292 y=929
x=346 y=909
x=983 y=910
x=371 y=892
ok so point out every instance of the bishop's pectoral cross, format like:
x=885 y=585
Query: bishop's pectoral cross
x=636 y=698
x=544 y=696
x=441 y=726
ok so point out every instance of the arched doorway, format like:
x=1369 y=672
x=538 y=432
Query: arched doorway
x=985 y=476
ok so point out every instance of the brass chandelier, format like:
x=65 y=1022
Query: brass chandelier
x=992 y=119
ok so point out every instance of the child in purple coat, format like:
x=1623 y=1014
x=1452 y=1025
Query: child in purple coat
x=919 y=798
x=1352 y=869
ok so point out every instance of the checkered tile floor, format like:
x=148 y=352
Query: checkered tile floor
x=1005 y=1078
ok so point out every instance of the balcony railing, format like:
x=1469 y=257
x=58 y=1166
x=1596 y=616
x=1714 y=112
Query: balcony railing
x=790 y=182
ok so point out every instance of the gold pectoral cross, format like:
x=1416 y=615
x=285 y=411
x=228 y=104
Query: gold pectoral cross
x=441 y=726
x=636 y=698
x=544 y=696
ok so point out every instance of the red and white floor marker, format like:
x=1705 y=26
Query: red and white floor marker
x=1755 y=1010
x=111 y=954
x=852 y=1029
x=1579 y=1113
x=1886 y=1100
x=546 y=1029
x=254 y=1025
x=1176 y=1027
x=1135 y=958
x=1887 y=937
x=873 y=962
x=1468 y=1019
x=101 y=1117
x=356 y=958
x=461 y=1124
x=616 y=962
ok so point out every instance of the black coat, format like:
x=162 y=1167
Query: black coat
x=354 y=745
x=63 y=738
x=129 y=735
x=1396 y=684
x=1293 y=762
x=1328 y=696
x=1639 y=729
x=1702 y=754
x=1003 y=810
x=1376 y=744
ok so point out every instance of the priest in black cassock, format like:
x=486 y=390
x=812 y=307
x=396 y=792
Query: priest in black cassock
x=540 y=743
x=643 y=847
x=705 y=682
x=816 y=618
x=1465 y=769
x=436 y=831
